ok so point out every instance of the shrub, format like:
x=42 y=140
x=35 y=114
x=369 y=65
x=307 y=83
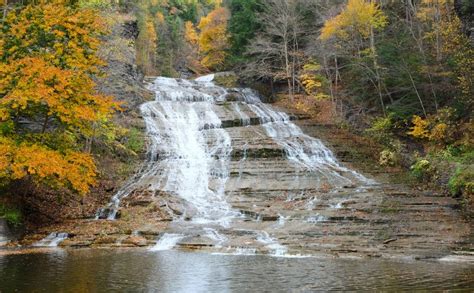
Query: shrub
x=381 y=130
x=437 y=128
x=462 y=182
x=388 y=158
x=134 y=140
x=422 y=169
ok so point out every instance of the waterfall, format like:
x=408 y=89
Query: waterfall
x=190 y=155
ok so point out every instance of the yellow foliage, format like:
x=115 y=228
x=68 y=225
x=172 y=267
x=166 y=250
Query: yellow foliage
x=435 y=128
x=146 y=47
x=213 y=38
x=67 y=94
x=190 y=34
x=429 y=8
x=160 y=18
x=439 y=132
x=359 y=15
x=419 y=128
x=312 y=81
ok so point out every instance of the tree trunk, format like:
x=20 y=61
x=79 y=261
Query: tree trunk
x=376 y=69
x=287 y=67
x=5 y=9
x=417 y=93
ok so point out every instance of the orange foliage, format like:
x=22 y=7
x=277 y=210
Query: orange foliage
x=73 y=170
x=48 y=54
x=65 y=93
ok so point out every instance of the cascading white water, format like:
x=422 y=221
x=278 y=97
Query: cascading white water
x=52 y=240
x=189 y=153
x=303 y=150
x=167 y=242
x=272 y=244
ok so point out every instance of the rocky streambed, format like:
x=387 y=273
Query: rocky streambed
x=227 y=173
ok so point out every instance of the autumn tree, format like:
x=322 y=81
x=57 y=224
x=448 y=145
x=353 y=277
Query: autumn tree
x=48 y=103
x=193 y=58
x=213 y=38
x=358 y=22
x=162 y=46
x=146 y=42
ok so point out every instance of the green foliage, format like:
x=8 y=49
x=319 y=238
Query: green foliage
x=461 y=154
x=243 y=24
x=467 y=6
x=422 y=169
x=11 y=215
x=135 y=140
x=161 y=47
x=381 y=130
x=462 y=182
x=388 y=158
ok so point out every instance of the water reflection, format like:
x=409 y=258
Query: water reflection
x=174 y=271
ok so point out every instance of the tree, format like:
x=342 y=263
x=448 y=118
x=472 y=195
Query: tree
x=275 y=51
x=213 y=38
x=146 y=43
x=48 y=104
x=243 y=24
x=356 y=23
x=358 y=18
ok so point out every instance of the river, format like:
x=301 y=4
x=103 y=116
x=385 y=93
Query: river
x=135 y=270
